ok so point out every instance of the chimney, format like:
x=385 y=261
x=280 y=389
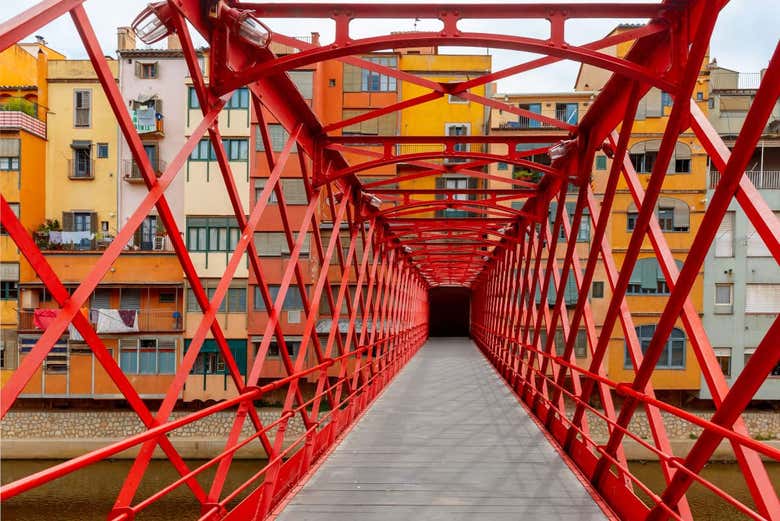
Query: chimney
x=125 y=39
x=174 y=44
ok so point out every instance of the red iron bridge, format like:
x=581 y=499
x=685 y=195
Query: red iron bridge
x=400 y=426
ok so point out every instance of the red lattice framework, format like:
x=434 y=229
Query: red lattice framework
x=504 y=254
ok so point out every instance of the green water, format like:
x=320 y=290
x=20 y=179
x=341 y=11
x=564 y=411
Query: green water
x=89 y=494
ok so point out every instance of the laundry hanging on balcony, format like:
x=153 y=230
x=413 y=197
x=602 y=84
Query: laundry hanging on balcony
x=74 y=334
x=117 y=320
x=42 y=318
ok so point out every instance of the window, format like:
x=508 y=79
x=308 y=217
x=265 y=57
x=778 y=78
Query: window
x=81 y=165
x=503 y=166
x=458 y=129
x=192 y=98
x=601 y=162
x=293 y=348
x=168 y=297
x=570 y=293
x=674 y=215
x=274 y=244
x=682 y=166
x=756 y=247
x=631 y=220
x=746 y=354
x=210 y=361
x=292 y=188
x=723 y=294
x=456 y=100
x=581 y=344
x=236 y=149
x=673 y=354
x=666 y=99
x=16 y=209
x=212 y=233
x=457 y=183
x=82 y=108
x=526 y=122
x=304 y=81
x=567 y=112
x=130 y=298
x=239 y=99
x=9 y=289
x=9 y=154
x=292 y=299
x=648 y=279
x=203 y=151
x=723 y=355
x=233 y=302
x=371 y=81
x=146 y=71
x=583 y=234
x=762 y=298
x=643 y=162
x=724 y=239
x=385 y=125
x=278 y=136
x=82 y=221
x=598 y=289
x=101 y=299
x=102 y=150
x=147 y=355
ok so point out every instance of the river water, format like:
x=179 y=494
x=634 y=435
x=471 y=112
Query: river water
x=89 y=494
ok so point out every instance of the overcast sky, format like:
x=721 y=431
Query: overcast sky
x=744 y=39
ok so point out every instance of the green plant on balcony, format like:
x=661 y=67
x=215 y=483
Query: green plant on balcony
x=19 y=105
x=42 y=234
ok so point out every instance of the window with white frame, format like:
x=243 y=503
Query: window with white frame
x=82 y=108
x=724 y=239
x=147 y=355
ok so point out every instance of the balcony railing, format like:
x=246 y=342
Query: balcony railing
x=22 y=114
x=762 y=179
x=132 y=174
x=81 y=169
x=149 y=320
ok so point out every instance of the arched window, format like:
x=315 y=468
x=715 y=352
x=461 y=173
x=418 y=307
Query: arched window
x=674 y=215
x=648 y=279
x=673 y=355
x=644 y=154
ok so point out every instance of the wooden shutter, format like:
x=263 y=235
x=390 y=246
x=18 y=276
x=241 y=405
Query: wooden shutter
x=440 y=185
x=67 y=221
x=93 y=223
x=137 y=69
x=724 y=240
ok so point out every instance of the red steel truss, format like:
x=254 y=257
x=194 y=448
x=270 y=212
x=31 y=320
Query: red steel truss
x=395 y=252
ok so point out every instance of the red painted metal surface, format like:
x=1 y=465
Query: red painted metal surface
x=511 y=256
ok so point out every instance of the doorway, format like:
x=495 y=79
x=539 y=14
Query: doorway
x=449 y=311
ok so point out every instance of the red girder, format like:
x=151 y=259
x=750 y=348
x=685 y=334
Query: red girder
x=376 y=265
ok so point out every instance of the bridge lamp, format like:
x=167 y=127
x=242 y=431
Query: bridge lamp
x=245 y=25
x=151 y=25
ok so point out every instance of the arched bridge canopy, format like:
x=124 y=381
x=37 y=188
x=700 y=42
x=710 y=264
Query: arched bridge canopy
x=377 y=246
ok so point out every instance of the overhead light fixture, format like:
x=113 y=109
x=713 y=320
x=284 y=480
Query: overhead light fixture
x=407 y=249
x=244 y=25
x=150 y=25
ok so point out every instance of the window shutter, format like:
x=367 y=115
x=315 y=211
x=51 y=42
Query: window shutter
x=101 y=299
x=9 y=271
x=9 y=148
x=93 y=224
x=649 y=272
x=682 y=214
x=571 y=294
x=755 y=244
x=440 y=185
x=156 y=70
x=137 y=69
x=158 y=105
x=762 y=298
x=724 y=240
x=352 y=77
x=304 y=81
x=653 y=99
x=130 y=299
x=67 y=221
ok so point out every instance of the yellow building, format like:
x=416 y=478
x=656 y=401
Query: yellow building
x=446 y=116
x=23 y=133
x=569 y=107
x=680 y=209
x=81 y=158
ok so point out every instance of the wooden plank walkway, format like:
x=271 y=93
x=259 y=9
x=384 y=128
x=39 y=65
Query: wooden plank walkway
x=446 y=441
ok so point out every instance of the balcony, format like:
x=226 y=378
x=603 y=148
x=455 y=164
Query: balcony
x=22 y=114
x=81 y=169
x=147 y=320
x=132 y=174
x=762 y=179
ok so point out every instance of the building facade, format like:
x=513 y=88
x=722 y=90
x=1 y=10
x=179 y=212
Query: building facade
x=741 y=279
